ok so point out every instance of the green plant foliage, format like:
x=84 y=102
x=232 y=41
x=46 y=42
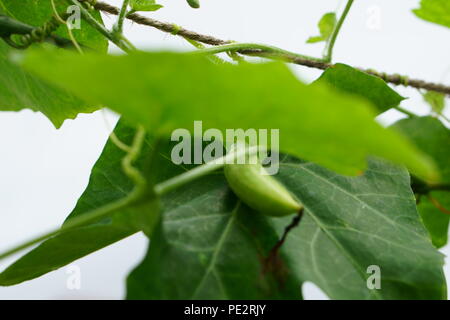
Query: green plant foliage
x=211 y=246
x=37 y=12
x=194 y=3
x=436 y=221
x=171 y=90
x=353 y=81
x=326 y=26
x=431 y=136
x=107 y=184
x=436 y=101
x=363 y=199
x=436 y=11
x=19 y=90
x=145 y=5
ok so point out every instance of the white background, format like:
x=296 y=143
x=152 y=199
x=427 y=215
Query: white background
x=43 y=170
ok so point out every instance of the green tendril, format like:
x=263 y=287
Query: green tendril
x=37 y=35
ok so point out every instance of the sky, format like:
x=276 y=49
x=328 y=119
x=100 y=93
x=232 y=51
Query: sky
x=43 y=171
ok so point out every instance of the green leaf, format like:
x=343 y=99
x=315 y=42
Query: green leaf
x=37 y=12
x=353 y=81
x=107 y=184
x=171 y=90
x=433 y=138
x=436 y=11
x=145 y=5
x=19 y=90
x=436 y=101
x=211 y=246
x=326 y=26
x=194 y=3
x=430 y=136
x=436 y=221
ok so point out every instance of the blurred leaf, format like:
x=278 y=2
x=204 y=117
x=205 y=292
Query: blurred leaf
x=436 y=101
x=107 y=184
x=433 y=138
x=37 y=12
x=353 y=81
x=436 y=11
x=211 y=246
x=19 y=90
x=435 y=220
x=326 y=26
x=170 y=90
x=145 y=5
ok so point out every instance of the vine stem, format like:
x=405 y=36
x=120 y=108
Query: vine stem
x=122 y=15
x=233 y=47
x=87 y=218
x=334 y=35
x=138 y=192
x=118 y=40
x=69 y=29
x=406 y=112
x=207 y=39
x=200 y=171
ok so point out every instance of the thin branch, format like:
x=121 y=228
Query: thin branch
x=176 y=30
x=122 y=14
x=249 y=47
x=332 y=41
x=406 y=112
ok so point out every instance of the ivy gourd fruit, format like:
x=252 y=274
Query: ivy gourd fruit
x=260 y=191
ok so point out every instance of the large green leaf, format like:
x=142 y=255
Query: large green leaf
x=353 y=81
x=436 y=11
x=171 y=90
x=107 y=184
x=431 y=136
x=211 y=246
x=37 y=12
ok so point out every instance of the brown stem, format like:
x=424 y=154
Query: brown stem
x=272 y=262
x=176 y=30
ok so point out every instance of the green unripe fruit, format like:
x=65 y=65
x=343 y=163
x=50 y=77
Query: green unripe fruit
x=194 y=3
x=260 y=191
